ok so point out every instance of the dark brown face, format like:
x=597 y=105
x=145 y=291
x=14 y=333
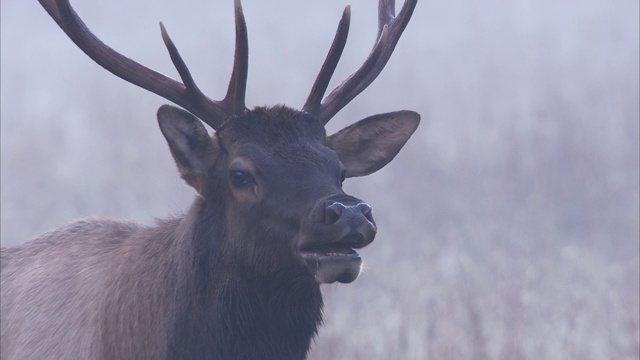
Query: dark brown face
x=281 y=180
x=280 y=170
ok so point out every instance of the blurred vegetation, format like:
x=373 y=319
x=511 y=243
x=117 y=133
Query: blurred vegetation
x=509 y=225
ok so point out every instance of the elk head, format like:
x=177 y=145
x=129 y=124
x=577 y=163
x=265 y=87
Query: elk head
x=274 y=172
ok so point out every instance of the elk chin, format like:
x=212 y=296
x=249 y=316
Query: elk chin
x=331 y=263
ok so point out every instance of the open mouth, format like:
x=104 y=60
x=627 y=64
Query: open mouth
x=331 y=251
x=332 y=262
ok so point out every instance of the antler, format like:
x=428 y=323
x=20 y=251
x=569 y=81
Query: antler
x=185 y=94
x=390 y=27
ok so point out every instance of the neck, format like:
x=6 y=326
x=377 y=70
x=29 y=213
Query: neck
x=226 y=308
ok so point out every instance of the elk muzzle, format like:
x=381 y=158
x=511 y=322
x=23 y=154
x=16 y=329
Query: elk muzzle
x=330 y=236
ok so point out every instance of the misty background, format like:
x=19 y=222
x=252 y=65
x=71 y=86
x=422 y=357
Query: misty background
x=508 y=225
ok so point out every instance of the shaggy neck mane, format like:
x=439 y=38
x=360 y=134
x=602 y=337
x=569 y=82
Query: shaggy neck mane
x=225 y=309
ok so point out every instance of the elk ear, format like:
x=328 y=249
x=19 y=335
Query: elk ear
x=191 y=146
x=370 y=144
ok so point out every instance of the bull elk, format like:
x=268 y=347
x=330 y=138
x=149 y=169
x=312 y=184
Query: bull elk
x=238 y=275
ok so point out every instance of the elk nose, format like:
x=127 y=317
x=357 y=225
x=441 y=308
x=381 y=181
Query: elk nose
x=334 y=212
x=355 y=221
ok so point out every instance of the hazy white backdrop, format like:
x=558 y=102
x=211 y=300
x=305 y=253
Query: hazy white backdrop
x=509 y=224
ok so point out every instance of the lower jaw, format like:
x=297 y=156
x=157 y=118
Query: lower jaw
x=329 y=268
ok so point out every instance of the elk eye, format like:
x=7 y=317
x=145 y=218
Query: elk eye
x=240 y=178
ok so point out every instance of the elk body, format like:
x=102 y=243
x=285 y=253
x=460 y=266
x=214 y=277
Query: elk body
x=238 y=275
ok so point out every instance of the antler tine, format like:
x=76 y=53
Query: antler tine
x=194 y=94
x=238 y=84
x=390 y=29
x=186 y=95
x=312 y=104
x=180 y=65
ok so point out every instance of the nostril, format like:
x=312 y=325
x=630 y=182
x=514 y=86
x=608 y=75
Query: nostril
x=365 y=208
x=366 y=211
x=333 y=212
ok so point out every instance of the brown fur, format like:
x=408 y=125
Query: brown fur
x=225 y=280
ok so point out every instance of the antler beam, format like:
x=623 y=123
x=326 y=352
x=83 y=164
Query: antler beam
x=186 y=94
